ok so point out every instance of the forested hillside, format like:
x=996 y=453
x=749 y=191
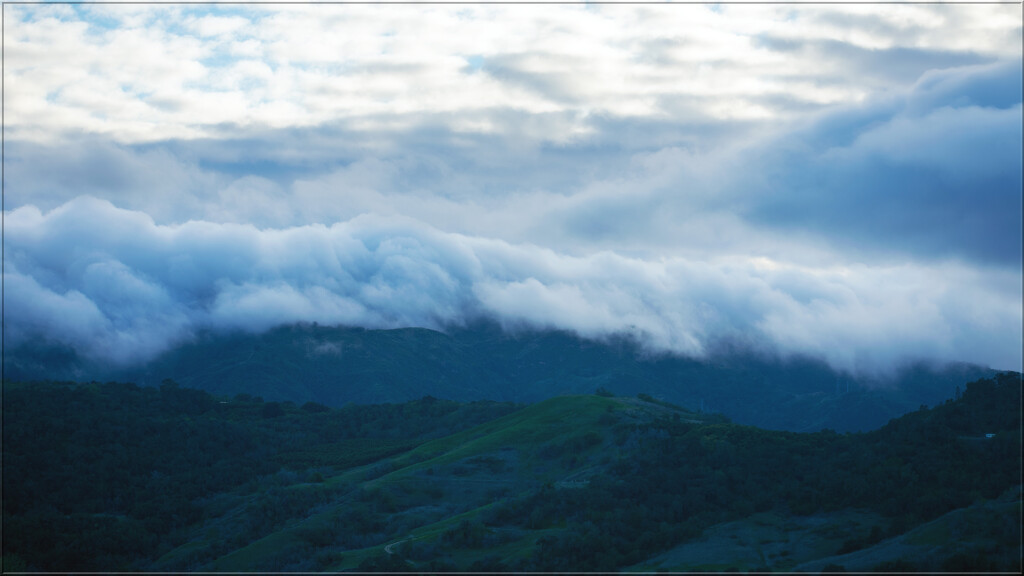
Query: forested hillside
x=110 y=476
x=336 y=365
x=120 y=477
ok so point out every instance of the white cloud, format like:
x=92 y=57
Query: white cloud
x=128 y=288
x=168 y=71
x=217 y=25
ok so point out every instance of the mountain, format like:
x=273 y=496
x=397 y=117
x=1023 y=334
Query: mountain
x=101 y=477
x=337 y=365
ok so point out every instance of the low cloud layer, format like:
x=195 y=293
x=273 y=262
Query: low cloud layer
x=118 y=287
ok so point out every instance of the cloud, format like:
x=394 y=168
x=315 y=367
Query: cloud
x=158 y=180
x=682 y=173
x=994 y=85
x=935 y=174
x=930 y=173
x=118 y=287
x=114 y=313
x=151 y=73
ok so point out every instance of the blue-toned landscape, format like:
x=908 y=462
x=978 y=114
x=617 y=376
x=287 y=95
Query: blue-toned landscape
x=589 y=287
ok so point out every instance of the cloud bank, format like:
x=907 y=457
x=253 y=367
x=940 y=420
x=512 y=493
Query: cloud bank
x=118 y=287
x=842 y=181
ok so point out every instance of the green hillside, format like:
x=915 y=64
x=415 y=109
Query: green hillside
x=119 y=477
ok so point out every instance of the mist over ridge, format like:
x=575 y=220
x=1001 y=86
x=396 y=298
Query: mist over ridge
x=117 y=287
x=483 y=361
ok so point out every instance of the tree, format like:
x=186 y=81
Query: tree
x=272 y=410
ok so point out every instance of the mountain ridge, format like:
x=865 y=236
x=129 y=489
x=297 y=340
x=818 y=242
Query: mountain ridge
x=339 y=365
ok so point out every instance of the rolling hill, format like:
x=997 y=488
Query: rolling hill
x=121 y=477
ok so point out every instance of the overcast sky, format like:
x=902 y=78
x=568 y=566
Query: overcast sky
x=836 y=180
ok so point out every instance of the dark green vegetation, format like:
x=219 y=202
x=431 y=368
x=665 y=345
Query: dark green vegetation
x=110 y=476
x=115 y=476
x=335 y=366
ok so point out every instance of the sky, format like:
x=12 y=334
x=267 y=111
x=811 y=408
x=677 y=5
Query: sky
x=834 y=180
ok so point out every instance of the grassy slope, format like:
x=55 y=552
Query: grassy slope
x=448 y=464
x=519 y=452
